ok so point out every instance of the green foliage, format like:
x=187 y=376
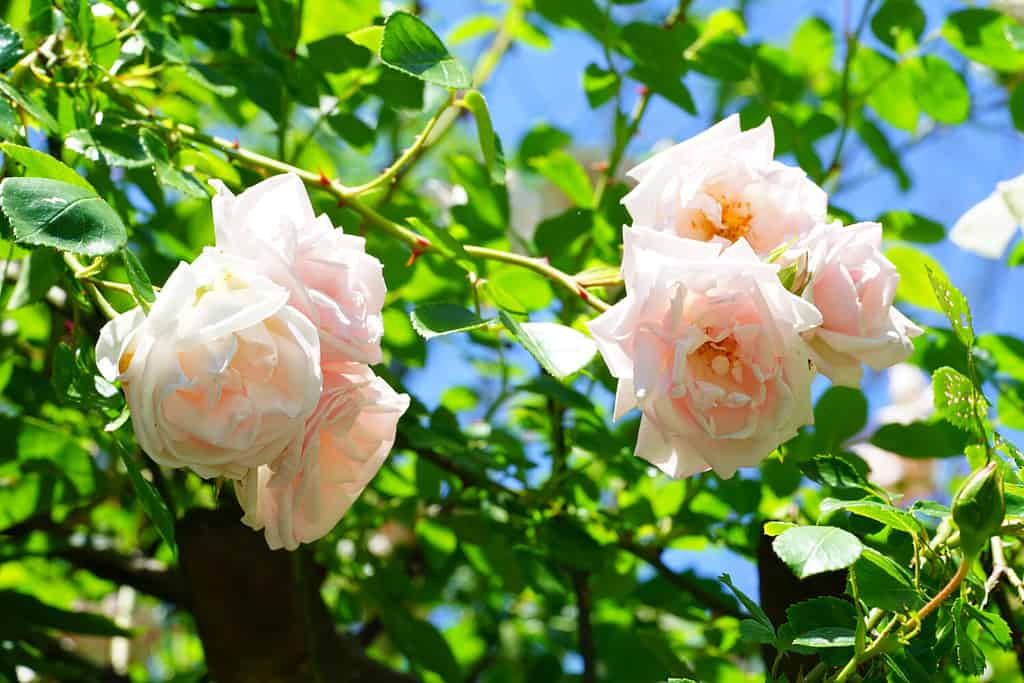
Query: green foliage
x=411 y=47
x=810 y=550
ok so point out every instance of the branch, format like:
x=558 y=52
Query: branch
x=588 y=651
x=142 y=573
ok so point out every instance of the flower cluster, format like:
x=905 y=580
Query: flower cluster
x=738 y=290
x=253 y=363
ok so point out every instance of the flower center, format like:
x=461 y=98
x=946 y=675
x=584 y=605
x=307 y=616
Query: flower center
x=721 y=357
x=735 y=221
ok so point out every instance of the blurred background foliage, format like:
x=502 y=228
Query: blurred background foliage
x=512 y=536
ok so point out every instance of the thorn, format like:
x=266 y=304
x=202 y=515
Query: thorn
x=342 y=203
x=412 y=257
x=584 y=295
x=642 y=90
x=324 y=180
x=601 y=166
x=235 y=144
x=292 y=54
x=422 y=243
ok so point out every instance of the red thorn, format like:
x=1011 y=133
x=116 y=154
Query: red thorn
x=412 y=257
x=324 y=180
x=546 y=260
x=292 y=54
x=584 y=295
x=342 y=203
x=69 y=327
x=235 y=144
x=422 y=243
x=642 y=90
x=601 y=166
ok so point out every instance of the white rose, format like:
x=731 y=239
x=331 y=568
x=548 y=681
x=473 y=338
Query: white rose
x=222 y=374
x=707 y=343
x=332 y=279
x=853 y=284
x=724 y=184
x=348 y=438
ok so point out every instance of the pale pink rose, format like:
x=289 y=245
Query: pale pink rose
x=853 y=284
x=332 y=279
x=707 y=343
x=347 y=440
x=222 y=374
x=724 y=184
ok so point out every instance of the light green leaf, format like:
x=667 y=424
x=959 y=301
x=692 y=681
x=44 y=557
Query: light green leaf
x=490 y=145
x=567 y=175
x=40 y=270
x=166 y=171
x=810 y=550
x=954 y=305
x=956 y=399
x=56 y=214
x=755 y=610
x=409 y=45
x=939 y=89
x=42 y=165
x=106 y=146
x=880 y=512
x=911 y=227
x=560 y=350
x=913 y=266
x=599 y=85
x=138 y=278
x=986 y=36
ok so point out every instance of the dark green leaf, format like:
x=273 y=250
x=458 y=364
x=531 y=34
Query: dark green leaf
x=147 y=496
x=921 y=440
x=10 y=47
x=1017 y=113
x=840 y=413
x=751 y=606
x=911 y=227
x=138 y=278
x=23 y=613
x=810 y=550
x=56 y=214
x=110 y=147
x=421 y=642
x=434 y=320
x=885 y=584
x=411 y=47
x=30 y=106
x=880 y=512
x=599 y=85
x=282 y=21
x=823 y=622
x=42 y=165
x=899 y=24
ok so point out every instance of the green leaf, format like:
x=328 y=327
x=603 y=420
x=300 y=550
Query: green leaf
x=369 y=37
x=473 y=27
x=40 y=270
x=146 y=494
x=138 y=278
x=338 y=53
x=880 y=512
x=110 y=147
x=986 y=36
x=840 y=413
x=282 y=21
x=166 y=171
x=911 y=227
x=954 y=305
x=560 y=350
x=24 y=613
x=755 y=632
x=885 y=584
x=567 y=175
x=956 y=399
x=56 y=214
x=10 y=124
x=939 y=89
x=599 y=85
x=570 y=545
x=1017 y=110
x=421 y=642
x=969 y=657
x=490 y=145
x=755 y=610
x=31 y=107
x=444 y=242
x=899 y=24
x=409 y=45
x=879 y=146
x=435 y=320
x=1007 y=352
x=921 y=440
x=913 y=266
x=835 y=471
x=823 y=622
x=164 y=46
x=809 y=550
x=10 y=47
x=813 y=45
x=42 y=165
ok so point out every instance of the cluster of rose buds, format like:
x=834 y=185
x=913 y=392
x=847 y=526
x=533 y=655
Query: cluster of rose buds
x=253 y=363
x=738 y=291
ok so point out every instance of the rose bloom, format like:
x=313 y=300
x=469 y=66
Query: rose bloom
x=853 y=284
x=724 y=184
x=221 y=374
x=346 y=441
x=331 y=278
x=707 y=342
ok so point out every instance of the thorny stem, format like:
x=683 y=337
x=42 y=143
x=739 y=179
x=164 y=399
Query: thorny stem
x=92 y=287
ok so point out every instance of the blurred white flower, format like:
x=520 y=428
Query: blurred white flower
x=910 y=399
x=987 y=227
